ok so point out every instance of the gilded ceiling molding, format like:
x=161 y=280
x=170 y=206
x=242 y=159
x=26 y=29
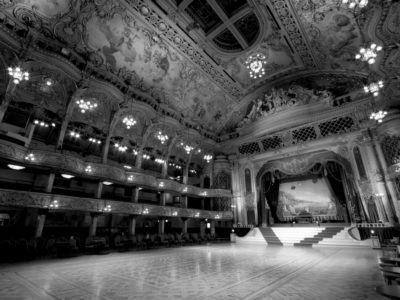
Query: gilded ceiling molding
x=287 y=18
x=175 y=36
x=42 y=200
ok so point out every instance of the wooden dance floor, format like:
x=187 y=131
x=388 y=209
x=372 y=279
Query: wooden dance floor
x=218 y=271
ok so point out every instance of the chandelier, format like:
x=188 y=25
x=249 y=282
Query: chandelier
x=378 y=116
x=374 y=88
x=159 y=161
x=85 y=105
x=369 y=54
x=120 y=147
x=255 y=63
x=95 y=141
x=162 y=137
x=208 y=157
x=18 y=74
x=354 y=3
x=187 y=148
x=54 y=204
x=129 y=121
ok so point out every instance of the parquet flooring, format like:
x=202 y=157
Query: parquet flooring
x=218 y=271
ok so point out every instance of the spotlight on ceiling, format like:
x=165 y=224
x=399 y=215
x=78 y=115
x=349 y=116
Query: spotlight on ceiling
x=15 y=167
x=67 y=176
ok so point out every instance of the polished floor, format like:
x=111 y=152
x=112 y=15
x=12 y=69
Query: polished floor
x=218 y=271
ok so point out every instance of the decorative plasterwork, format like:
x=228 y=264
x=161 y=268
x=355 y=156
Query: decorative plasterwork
x=74 y=165
x=288 y=20
x=301 y=163
x=41 y=200
x=175 y=37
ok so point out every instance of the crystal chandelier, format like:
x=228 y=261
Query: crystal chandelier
x=129 y=121
x=208 y=157
x=162 y=137
x=255 y=63
x=369 y=54
x=18 y=74
x=378 y=116
x=374 y=88
x=187 y=148
x=85 y=105
x=120 y=147
x=354 y=3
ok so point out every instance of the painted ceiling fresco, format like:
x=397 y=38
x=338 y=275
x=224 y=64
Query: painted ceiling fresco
x=173 y=56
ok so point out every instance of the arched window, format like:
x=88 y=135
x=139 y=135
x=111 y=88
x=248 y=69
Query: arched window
x=247 y=179
x=359 y=162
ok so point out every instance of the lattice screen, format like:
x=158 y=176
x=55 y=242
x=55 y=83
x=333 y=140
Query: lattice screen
x=249 y=148
x=339 y=125
x=391 y=149
x=303 y=134
x=222 y=181
x=272 y=142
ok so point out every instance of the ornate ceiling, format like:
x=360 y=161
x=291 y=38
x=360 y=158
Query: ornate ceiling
x=188 y=56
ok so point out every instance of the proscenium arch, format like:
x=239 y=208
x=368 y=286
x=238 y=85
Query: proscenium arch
x=306 y=162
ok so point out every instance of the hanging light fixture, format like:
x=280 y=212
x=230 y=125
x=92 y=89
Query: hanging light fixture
x=86 y=105
x=378 y=116
x=121 y=148
x=54 y=204
x=107 y=208
x=208 y=157
x=355 y=3
x=369 y=54
x=129 y=121
x=373 y=88
x=255 y=64
x=18 y=74
x=162 y=137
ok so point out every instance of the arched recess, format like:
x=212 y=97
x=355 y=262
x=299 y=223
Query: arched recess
x=302 y=166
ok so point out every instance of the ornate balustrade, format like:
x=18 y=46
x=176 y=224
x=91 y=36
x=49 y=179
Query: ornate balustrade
x=74 y=165
x=42 y=200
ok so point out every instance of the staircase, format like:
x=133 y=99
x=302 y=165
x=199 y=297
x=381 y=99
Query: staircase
x=326 y=233
x=270 y=236
x=335 y=236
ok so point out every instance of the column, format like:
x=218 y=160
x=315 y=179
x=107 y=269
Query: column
x=93 y=224
x=162 y=198
x=377 y=180
x=135 y=195
x=99 y=190
x=29 y=133
x=184 y=225
x=202 y=228
x=7 y=98
x=50 y=182
x=212 y=228
x=184 y=201
x=390 y=188
x=41 y=219
x=161 y=226
x=132 y=225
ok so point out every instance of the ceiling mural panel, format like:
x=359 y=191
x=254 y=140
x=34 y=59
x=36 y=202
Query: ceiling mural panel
x=333 y=32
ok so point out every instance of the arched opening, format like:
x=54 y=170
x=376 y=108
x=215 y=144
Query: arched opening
x=206 y=182
x=321 y=190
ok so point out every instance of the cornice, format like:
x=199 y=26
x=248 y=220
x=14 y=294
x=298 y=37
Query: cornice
x=66 y=163
x=42 y=200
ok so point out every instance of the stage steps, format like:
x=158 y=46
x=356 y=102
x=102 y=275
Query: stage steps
x=309 y=236
x=270 y=236
x=326 y=233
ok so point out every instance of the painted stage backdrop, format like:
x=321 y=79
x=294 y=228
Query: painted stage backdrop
x=311 y=198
